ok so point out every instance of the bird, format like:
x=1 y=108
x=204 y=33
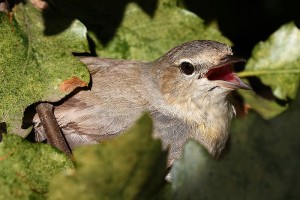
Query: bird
x=187 y=92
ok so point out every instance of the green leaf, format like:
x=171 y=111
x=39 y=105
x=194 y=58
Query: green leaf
x=130 y=166
x=35 y=67
x=263 y=162
x=277 y=63
x=266 y=108
x=26 y=169
x=142 y=37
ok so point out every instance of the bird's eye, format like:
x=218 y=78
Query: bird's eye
x=187 y=68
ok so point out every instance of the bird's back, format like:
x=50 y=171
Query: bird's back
x=115 y=101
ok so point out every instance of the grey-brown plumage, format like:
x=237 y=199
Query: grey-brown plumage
x=186 y=91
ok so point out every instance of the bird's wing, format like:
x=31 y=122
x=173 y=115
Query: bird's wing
x=87 y=123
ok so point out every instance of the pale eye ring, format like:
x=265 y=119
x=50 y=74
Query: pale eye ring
x=187 y=68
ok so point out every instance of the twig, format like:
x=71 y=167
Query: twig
x=54 y=135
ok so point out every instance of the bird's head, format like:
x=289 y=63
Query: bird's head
x=196 y=69
x=194 y=80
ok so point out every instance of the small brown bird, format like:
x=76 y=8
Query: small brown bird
x=186 y=91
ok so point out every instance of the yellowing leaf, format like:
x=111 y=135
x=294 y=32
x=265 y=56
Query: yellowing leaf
x=277 y=61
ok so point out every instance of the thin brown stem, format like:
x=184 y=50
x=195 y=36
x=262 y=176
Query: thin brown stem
x=54 y=135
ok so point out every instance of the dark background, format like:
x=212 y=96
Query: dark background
x=246 y=23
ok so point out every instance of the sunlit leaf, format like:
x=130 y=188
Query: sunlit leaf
x=142 y=37
x=26 y=168
x=277 y=63
x=34 y=67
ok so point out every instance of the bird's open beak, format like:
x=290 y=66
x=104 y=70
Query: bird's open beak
x=224 y=74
